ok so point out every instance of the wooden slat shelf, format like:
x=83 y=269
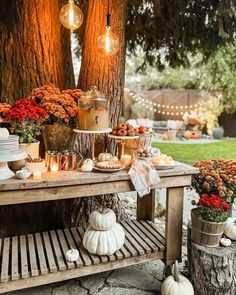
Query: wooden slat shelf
x=37 y=259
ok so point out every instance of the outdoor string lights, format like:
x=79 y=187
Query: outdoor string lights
x=71 y=16
x=108 y=43
x=164 y=109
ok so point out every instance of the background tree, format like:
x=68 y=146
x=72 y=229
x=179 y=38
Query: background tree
x=34 y=48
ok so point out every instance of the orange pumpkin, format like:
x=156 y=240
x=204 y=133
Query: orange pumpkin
x=188 y=134
x=195 y=136
x=165 y=136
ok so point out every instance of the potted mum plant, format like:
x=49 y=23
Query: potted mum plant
x=208 y=220
x=63 y=114
x=26 y=119
x=218 y=177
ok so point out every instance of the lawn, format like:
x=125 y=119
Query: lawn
x=191 y=153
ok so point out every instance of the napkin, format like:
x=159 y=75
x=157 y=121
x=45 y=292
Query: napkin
x=143 y=176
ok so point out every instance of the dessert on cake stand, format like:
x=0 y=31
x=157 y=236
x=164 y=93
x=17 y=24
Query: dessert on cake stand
x=94 y=135
x=5 y=171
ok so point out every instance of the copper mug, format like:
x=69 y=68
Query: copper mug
x=70 y=160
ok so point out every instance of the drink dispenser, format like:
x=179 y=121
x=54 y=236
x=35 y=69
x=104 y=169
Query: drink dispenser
x=93 y=110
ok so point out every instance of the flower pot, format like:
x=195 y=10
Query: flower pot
x=218 y=132
x=32 y=149
x=206 y=233
x=57 y=137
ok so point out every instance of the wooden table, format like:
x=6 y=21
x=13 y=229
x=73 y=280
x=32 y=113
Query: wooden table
x=37 y=259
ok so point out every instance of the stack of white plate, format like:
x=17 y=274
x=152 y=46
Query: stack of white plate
x=9 y=145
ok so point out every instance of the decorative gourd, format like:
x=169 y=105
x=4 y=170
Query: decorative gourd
x=87 y=165
x=225 y=242
x=102 y=220
x=72 y=255
x=176 y=284
x=114 y=159
x=104 y=242
x=230 y=228
x=188 y=134
x=4 y=133
x=165 y=136
x=104 y=157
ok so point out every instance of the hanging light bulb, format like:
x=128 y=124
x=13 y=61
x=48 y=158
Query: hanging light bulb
x=108 y=43
x=71 y=16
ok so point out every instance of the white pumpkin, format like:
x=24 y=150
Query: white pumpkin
x=230 y=228
x=104 y=242
x=176 y=284
x=103 y=220
x=114 y=159
x=225 y=242
x=4 y=133
x=72 y=255
x=102 y=157
x=87 y=165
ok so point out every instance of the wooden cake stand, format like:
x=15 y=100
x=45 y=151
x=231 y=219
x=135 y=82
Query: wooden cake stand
x=122 y=139
x=94 y=135
x=5 y=171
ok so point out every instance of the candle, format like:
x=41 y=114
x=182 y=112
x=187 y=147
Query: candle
x=54 y=168
x=126 y=160
x=37 y=175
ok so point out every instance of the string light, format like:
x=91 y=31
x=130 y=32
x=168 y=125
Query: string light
x=108 y=43
x=71 y=16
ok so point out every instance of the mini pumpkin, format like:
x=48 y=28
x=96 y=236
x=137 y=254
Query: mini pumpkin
x=72 y=255
x=87 y=165
x=165 y=136
x=102 y=157
x=103 y=220
x=225 y=242
x=104 y=242
x=230 y=228
x=177 y=284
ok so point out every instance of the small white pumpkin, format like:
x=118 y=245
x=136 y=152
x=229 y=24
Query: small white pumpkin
x=225 y=242
x=176 y=284
x=114 y=159
x=87 y=165
x=102 y=157
x=88 y=161
x=230 y=228
x=104 y=242
x=103 y=220
x=4 y=133
x=72 y=255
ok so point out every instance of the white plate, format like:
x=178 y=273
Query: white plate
x=164 y=167
x=109 y=170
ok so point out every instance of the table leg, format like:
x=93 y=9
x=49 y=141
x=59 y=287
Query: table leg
x=174 y=222
x=146 y=206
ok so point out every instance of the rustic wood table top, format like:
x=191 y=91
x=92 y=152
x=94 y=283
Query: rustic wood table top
x=69 y=178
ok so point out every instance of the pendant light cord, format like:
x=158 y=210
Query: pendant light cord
x=108 y=14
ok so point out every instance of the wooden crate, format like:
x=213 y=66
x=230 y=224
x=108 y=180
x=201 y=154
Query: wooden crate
x=37 y=259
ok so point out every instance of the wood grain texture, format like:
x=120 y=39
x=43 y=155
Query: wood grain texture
x=137 y=242
x=146 y=206
x=174 y=223
x=212 y=270
x=31 y=43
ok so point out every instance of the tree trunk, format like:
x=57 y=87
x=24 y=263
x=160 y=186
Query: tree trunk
x=31 y=48
x=212 y=270
x=35 y=50
x=107 y=73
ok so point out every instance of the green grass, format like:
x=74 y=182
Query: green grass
x=191 y=153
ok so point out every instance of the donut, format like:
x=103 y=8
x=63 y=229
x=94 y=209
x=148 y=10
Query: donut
x=122 y=126
x=130 y=132
x=121 y=132
x=129 y=127
x=114 y=132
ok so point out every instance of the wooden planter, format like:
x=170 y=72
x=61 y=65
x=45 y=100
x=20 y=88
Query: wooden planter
x=204 y=232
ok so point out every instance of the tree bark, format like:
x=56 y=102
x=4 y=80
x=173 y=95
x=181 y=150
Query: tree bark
x=35 y=50
x=32 y=48
x=212 y=270
x=107 y=73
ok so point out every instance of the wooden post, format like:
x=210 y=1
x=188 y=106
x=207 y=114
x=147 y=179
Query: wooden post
x=146 y=206
x=174 y=222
